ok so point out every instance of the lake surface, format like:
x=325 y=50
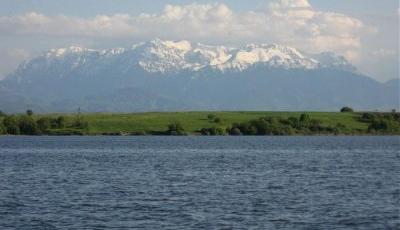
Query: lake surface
x=199 y=182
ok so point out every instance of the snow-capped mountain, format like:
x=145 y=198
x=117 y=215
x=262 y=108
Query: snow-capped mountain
x=159 y=56
x=179 y=75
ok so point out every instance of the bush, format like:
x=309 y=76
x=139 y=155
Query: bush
x=213 y=131
x=274 y=126
x=293 y=121
x=205 y=132
x=29 y=112
x=346 y=110
x=27 y=125
x=176 y=129
x=382 y=122
x=235 y=132
x=211 y=116
x=217 y=120
x=304 y=118
x=384 y=125
x=339 y=128
x=57 y=123
x=366 y=117
x=2 y=129
x=43 y=124
x=11 y=125
x=315 y=126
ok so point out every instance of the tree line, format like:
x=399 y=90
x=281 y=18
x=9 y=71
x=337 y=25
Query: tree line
x=377 y=124
x=28 y=124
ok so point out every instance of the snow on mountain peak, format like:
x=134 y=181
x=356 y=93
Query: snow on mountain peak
x=272 y=55
x=164 y=56
x=65 y=51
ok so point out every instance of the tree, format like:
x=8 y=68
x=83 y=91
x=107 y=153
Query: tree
x=58 y=123
x=29 y=112
x=2 y=114
x=11 y=125
x=384 y=125
x=235 y=132
x=213 y=131
x=367 y=117
x=43 y=124
x=294 y=122
x=27 y=125
x=2 y=129
x=217 y=120
x=211 y=116
x=205 y=132
x=304 y=118
x=315 y=125
x=346 y=110
x=176 y=129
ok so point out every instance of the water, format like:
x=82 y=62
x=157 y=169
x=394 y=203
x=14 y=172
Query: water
x=199 y=182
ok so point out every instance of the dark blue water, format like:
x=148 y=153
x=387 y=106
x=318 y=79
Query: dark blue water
x=199 y=182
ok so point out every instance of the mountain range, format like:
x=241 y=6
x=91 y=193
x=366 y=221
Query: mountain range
x=161 y=75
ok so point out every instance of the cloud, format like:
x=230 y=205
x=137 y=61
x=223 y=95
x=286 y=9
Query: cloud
x=384 y=53
x=290 y=22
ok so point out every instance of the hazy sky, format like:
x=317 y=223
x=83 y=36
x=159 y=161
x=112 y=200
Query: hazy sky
x=364 y=31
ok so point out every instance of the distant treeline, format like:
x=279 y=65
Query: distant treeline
x=378 y=123
x=76 y=124
x=29 y=124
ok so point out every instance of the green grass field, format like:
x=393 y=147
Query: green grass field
x=104 y=123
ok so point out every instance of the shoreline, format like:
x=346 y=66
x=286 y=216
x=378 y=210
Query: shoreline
x=199 y=135
x=203 y=124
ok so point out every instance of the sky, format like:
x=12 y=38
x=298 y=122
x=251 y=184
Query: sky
x=366 y=32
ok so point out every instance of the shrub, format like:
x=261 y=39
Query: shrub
x=367 y=117
x=217 y=120
x=384 y=125
x=11 y=125
x=346 y=110
x=340 y=127
x=213 y=131
x=205 y=132
x=58 y=123
x=274 y=126
x=27 y=125
x=304 y=118
x=176 y=129
x=294 y=122
x=315 y=126
x=29 y=112
x=2 y=129
x=235 y=132
x=43 y=124
x=211 y=116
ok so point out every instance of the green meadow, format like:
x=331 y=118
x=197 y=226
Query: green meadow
x=193 y=122
x=203 y=123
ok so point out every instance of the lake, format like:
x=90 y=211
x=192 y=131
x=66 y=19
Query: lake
x=199 y=182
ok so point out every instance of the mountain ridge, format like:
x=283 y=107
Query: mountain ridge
x=164 y=56
x=166 y=75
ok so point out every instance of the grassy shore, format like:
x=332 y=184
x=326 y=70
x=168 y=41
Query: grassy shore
x=193 y=122
x=196 y=123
